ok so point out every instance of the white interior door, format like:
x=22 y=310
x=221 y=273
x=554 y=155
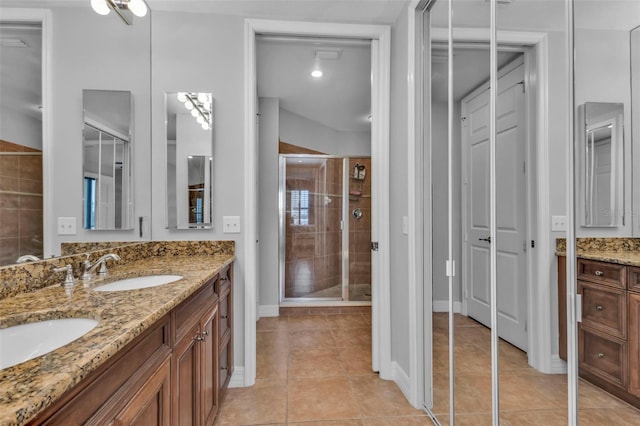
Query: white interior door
x=511 y=204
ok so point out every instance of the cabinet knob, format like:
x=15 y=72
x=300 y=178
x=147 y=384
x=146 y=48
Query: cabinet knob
x=198 y=338
x=599 y=307
x=599 y=273
x=600 y=355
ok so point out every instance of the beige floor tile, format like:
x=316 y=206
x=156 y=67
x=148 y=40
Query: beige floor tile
x=399 y=421
x=356 y=361
x=523 y=389
x=467 y=420
x=353 y=422
x=347 y=321
x=377 y=397
x=270 y=365
x=352 y=337
x=308 y=322
x=311 y=339
x=626 y=416
x=276 y=341
x=315 y=363
x=534 y=418
x=591 y=396
x=327 y=398
x=272 y=323
x=263 y=403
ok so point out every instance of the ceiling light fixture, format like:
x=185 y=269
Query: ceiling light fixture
x=125 y=9
x=316 y=73
x=199 y=104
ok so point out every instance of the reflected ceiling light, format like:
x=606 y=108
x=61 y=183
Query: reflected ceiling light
x=200 y=106
x=316 y=73
x=125 y=9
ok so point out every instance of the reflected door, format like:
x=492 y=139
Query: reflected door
x=511 y=202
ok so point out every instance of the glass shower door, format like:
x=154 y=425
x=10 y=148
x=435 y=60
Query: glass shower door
x=312 y=200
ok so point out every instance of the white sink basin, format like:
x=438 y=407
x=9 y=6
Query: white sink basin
x=23 y=342
x=138 y=283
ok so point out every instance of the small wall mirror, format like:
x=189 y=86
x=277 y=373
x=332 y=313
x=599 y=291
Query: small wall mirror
x=106 y=160
x=189 y=160
x=601 y=165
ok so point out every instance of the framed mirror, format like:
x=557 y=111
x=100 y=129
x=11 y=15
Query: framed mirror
x=106 y=160
x=600 y=164
x=189 y=119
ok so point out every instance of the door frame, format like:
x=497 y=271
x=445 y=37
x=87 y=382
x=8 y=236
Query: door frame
x=540 y=259
x=380 y=99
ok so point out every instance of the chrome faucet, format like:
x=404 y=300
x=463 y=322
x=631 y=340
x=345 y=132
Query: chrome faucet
x=89 y=268
x=69 y=281
x=27 y=258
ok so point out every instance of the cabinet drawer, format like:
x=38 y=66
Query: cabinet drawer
x=603 y=356
x=610 y=274
x=604 y=308
x=633 y=278
x=188 y=312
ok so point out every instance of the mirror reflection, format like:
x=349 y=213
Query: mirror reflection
x=21 y=180
x=189 y=160
x=106 y=165
x=600 y=163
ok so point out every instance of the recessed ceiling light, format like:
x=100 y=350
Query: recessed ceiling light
x=316 y=73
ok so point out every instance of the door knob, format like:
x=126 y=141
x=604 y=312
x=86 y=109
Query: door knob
x=488 y=239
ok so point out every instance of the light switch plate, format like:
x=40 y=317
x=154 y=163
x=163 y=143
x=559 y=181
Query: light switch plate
x=231 y=224
x=558 y=223
x=66 y=226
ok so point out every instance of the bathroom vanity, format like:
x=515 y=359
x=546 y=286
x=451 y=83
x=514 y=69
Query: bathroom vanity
x=609 y=334
x=161 y=355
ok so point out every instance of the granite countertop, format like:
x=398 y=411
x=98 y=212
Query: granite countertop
x=28 y=388
x=631 y=258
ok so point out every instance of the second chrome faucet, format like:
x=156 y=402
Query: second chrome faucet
x=89 y=268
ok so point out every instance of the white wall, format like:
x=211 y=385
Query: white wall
x=203 y=53
x=19 y=128
x=90 y=51
x=268 y=171
x=603 y=74
x=298 y=130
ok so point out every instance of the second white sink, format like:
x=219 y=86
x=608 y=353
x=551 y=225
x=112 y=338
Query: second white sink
x=139 y=282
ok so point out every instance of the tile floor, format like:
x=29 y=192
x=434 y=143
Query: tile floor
x=526 y=396
x=315 y=369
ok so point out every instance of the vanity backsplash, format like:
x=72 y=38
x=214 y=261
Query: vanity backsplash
x=27 y=277
x=600 y=244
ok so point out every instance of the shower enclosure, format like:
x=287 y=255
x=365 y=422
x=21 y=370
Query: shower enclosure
x=325 y=228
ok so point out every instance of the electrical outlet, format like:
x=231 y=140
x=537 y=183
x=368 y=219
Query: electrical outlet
x=231 y=224
x=66 y=226
x=558 y=223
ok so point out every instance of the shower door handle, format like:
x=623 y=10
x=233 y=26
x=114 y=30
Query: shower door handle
x=488 y=239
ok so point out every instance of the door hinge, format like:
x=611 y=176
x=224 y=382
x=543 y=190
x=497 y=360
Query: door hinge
x=464 y=121
x=374 y=246
x=533 y=243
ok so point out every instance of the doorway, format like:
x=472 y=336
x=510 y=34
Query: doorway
x=380 y=87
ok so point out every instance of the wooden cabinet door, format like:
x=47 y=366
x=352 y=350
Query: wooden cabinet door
x=185 y=379
x=209 y=367
x=151 y=404
x=634 y=344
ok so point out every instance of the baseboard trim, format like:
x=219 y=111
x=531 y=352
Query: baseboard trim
x=558 y=365
x=268 y=311
x=443 y=306
x=237 y=378
x=401 y=379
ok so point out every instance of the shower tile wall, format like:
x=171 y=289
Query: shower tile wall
x=20 y=202
x=313 y=249
x=360 y=229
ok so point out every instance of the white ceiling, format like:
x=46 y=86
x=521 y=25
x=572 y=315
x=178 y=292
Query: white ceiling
x=340 y=99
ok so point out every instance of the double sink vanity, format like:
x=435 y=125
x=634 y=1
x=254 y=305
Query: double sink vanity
x=153 y=339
